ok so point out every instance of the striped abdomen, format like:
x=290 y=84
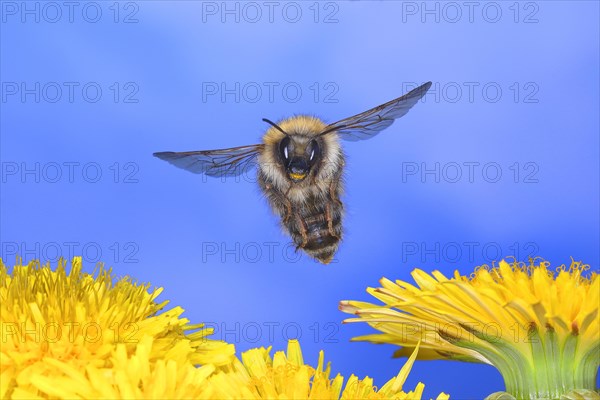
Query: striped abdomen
x=316 y=227
x=313 y=219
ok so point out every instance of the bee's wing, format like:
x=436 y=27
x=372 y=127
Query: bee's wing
x=223 y=162
x=369 y=123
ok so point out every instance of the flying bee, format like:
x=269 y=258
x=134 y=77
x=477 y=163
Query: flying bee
x=300 y=167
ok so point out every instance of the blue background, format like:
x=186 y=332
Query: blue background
x=207 y=242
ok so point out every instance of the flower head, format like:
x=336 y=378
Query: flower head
x=540 y=329
x=123 y=375
x=57 y=324
x=285 y=376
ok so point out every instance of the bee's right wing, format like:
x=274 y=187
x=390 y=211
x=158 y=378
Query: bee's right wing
x=369 y=123
x=223 y=162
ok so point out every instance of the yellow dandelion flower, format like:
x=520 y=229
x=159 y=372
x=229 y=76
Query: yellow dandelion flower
x=539 y=329
x=285 y=376
x=76 y=325
x=124 y=376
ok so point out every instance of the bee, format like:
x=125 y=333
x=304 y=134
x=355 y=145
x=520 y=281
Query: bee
x=300 y=167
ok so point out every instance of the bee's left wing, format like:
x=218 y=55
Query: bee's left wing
x=222 y=162
x=369 y=123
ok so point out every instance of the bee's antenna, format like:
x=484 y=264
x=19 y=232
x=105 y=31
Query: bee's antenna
x=275 y=125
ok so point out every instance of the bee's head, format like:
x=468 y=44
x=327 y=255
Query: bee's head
x=298 y=152
x=299 y=155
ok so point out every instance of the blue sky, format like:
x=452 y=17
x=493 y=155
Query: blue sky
x=500 y=159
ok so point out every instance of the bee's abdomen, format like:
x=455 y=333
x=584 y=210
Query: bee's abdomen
x=313 y=219
x=317 y=229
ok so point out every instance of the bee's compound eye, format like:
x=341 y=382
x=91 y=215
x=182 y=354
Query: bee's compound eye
x=284 y=148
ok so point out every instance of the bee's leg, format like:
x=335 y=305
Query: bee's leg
x=332 y=194
x=289 y=210
x=329 y=219
x=283 y=199
x=303 y=231
x=288 y=206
